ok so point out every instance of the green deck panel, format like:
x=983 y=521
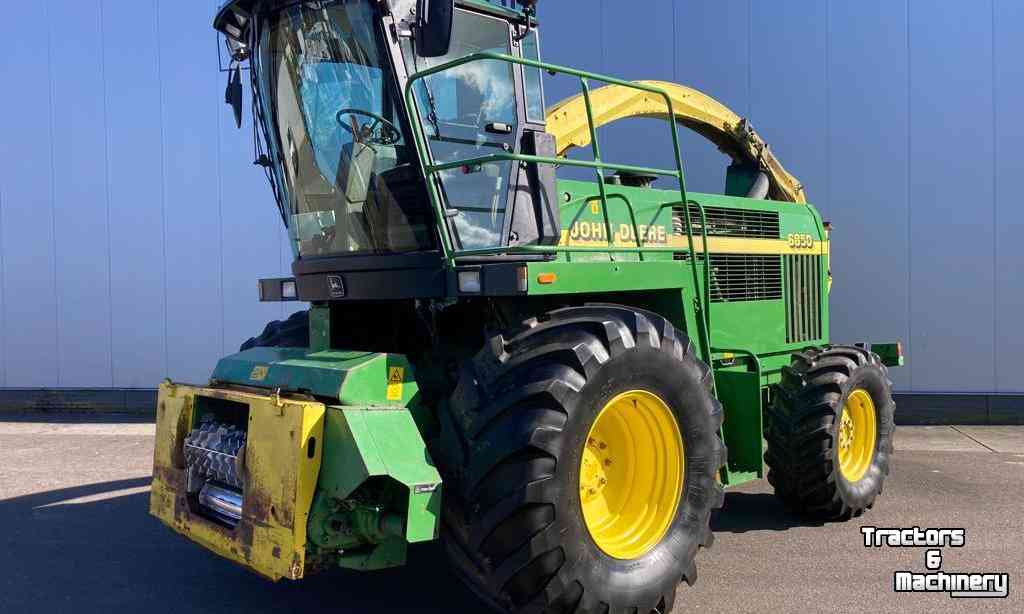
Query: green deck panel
x=354 y=378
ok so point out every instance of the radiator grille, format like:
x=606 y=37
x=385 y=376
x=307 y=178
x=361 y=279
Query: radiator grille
x=725 y=222
x=803 y=298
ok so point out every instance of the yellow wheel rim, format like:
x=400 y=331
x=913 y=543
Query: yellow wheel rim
x=857 y=434
x=631 y=474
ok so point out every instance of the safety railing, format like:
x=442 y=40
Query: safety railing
x=599 y=166
x=755 y=361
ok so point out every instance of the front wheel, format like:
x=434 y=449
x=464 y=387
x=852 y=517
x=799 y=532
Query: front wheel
x=582 y=451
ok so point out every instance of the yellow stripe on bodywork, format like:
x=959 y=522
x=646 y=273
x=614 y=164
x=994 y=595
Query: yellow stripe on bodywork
x=716 y=245
x=735 y=245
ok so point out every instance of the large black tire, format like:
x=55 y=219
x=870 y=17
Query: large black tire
x=290 y=333
x=802 y=430
x=511 y=448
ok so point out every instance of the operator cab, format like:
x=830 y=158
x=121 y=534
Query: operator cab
x=334 y=133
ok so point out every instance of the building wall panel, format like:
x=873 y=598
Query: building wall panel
x=133 y=226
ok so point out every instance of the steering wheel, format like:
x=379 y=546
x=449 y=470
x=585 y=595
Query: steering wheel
x=388 y=134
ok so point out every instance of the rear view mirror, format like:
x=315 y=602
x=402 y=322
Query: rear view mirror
x=434 y=27
x=233 y=94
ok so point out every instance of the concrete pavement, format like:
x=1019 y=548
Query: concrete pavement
x=76 y=537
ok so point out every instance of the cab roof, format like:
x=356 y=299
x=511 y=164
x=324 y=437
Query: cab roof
x=233 y=16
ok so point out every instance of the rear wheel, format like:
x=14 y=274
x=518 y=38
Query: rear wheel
x=829 y=432
x=580 y=455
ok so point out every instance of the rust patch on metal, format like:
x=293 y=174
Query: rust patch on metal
x=184 y=421
x=257 y=506
x=243 y=532
x=285 y=513
x=181 y=512
x=171 y=476
x=218 y=394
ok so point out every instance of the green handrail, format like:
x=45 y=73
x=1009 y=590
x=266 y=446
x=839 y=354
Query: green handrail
x=431 y=170
x=758 y=369
x=610 y=242
x=707 y=256
x=502 y=157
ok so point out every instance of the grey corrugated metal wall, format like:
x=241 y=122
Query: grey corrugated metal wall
x=133 y=227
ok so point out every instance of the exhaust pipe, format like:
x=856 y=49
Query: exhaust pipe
x=224 y=502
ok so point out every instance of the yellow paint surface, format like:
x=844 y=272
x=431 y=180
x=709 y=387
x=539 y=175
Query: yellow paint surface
x=280 y=478
x=567 y=121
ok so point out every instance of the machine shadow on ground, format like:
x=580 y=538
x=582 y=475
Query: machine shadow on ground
x=77 y=417
x=83 y=549
x=119 y=556
x=744 y=512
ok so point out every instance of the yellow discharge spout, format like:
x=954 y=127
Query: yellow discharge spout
x=567 y=121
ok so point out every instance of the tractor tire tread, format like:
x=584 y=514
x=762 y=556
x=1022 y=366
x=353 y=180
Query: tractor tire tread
x=506 y=419
x=801 y=428
x=292 y=332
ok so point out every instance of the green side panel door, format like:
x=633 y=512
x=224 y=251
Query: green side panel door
x=360 y=443
x=740 y=394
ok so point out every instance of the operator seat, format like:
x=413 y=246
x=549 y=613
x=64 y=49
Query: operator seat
x=396 y=212
x=355 y=172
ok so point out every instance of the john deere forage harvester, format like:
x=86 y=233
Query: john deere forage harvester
x=555 y=378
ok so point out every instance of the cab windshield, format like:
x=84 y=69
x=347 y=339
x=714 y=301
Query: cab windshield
x=470 y=111
x=338 y=138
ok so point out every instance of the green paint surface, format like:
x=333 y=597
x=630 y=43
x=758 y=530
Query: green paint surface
x=362 y=443
x=663 y=265
x=740 y=394
x=354 y=378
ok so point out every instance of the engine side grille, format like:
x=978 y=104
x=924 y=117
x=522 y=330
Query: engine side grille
x=726 y=222
x=803 y=298
x=742 y=277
